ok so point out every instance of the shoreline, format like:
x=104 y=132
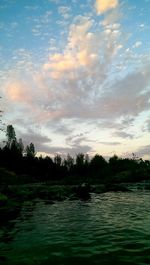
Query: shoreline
x=12 y=197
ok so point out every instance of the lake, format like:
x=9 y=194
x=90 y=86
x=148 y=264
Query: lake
x=111 y=228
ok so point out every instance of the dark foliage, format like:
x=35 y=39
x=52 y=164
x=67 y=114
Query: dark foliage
x=24 y=167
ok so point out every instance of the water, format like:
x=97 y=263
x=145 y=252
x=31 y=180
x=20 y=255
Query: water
x=111 y=228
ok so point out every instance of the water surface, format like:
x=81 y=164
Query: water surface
x=111 y=228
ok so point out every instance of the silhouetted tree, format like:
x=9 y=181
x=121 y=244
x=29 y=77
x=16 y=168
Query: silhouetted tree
x=98 y=167
x=79 y=166
x=80 y=160
x=11 y=136
x=20 y=146
x=30 y=150
x=113 y=164
x=87 y=160
x=57 y=160
x=69 y=162
x=80 y=170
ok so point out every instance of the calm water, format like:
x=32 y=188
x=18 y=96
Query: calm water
x=112 y=228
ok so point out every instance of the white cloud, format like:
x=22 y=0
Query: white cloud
x=137 y=44
x=93 y=80
x=103 y=6
x=123 y=135
x=78 y=53
x=110 y=143
x=87 y=54
x=143 y=151
x=64 y=11
x=142 y=25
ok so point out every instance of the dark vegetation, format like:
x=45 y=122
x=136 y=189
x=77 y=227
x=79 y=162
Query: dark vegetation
x=20 y=165
x=25 y=177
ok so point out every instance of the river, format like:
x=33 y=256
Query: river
x=111 y=228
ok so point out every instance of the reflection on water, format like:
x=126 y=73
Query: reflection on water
x=111 y=228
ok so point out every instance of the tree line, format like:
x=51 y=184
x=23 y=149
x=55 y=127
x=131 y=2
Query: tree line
x=26 y=167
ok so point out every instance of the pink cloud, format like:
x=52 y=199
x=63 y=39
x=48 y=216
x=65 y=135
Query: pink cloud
x=17 y=91
x=104 y=5
x=78 y=52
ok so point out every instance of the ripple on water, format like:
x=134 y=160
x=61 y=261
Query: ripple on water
x=112 y=228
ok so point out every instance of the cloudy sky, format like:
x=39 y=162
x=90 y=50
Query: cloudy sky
x=75 y=75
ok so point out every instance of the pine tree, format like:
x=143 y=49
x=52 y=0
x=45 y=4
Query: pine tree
x=30 y=150
x=11 y=136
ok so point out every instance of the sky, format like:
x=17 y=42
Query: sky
x=75 y=75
